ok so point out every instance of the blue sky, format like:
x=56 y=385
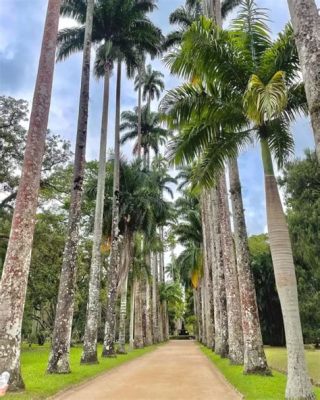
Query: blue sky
x=21 y=25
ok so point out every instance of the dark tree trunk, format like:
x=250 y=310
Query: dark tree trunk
x=59 y=356
x=254 y=357
x=15 y=273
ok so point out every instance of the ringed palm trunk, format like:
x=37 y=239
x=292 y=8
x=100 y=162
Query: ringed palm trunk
x=89 y=354
x=155 y=322
x=139 y=115
x=138 y=326
x=206 y=219
x=15 y=273
x=306 y=25
x=219 y=292
x=298 y=382
x=123 y=317
x=147 y=334
x=231 y=280
x=109 y=333
x=131 y=323
x=59 y=356
x=254 y=357
x=203 y=312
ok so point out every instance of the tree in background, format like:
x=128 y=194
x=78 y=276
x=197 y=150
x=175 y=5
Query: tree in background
x=265 y=82
x=301 y=184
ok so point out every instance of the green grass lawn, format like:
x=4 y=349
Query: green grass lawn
x=39 y=385
x=253 y=387
x=277 y=358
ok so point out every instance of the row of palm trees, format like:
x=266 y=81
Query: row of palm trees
x=242 y=87
x=122 y=34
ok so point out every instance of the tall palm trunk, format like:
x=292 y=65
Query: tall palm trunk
x=123 y=317
x=138 y=328
x=254 y=357
x=15 y=273
x=203 y=313
x=148 y=314
x=109 y=333
x=306 y=24
x=231 y=278
x=206 y=219
x=219 y=292
x=155 y=321
x=139 y=114
x=131 y=323
x=59 y=356
x=89 y=354
x=298 y=382
x=199 y=312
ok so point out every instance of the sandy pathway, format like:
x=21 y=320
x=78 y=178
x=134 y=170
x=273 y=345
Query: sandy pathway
x=176 y=371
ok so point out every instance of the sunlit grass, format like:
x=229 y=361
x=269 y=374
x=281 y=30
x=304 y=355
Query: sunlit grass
x=39 y=385
x=277 y=358
x=253 y=387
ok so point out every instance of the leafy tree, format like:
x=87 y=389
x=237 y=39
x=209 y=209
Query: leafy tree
x=301 y=184
x=153 y=135
x=267 y=296
x=244 y=67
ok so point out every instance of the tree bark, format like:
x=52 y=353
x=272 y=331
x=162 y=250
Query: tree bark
x=206 y=219
x=255 y=361
x=123 y=317
x=219 y=293
x=15 y=273
x=132 y=306
x=139 y=115
x=89 y=355
x=306 y=24
x=231 y=279
x=59 y=356
x=109 y=334
x=298 y=382
x=148 y=330
x=138 y=328
x=155 y=322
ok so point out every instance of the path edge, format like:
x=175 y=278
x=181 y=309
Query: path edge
x=228 y=383
x=92 y=378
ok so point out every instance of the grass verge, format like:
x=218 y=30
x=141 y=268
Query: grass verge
x=277 y=358
x=39 y=385
x=253 y=387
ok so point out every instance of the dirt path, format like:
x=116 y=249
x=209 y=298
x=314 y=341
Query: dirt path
x=176 y=371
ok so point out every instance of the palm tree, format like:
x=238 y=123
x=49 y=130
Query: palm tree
x=152 y=133
x=152 y=84
x=258 y=94
x=15 y=273
x=119 y=26
x=59 y=356
x=183 y=16
x=305 y=21
x=103 y=67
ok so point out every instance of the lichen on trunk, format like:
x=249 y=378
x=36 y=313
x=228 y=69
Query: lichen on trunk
x=59 y=355
x=13 y=285
x=255 y=361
